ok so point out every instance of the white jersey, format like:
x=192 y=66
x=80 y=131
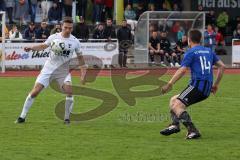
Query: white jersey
x=55 y=61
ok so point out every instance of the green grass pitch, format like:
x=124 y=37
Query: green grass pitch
x=120 y=134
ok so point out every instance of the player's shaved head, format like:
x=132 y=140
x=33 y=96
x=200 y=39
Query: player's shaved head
x=195 y=36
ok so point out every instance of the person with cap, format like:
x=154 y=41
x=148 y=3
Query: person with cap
x=43 y=32
x=30 y=32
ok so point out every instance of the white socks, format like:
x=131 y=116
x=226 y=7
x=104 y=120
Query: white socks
x=27 y=105
x=68 y=107
x=29 y=101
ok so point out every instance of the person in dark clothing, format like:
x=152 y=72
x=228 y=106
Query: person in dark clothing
x=180 y=49
x=30 y=32
x=0 y=33
x=109 y=8
x=164 y=7
x=154 y=46
x=55 y=14
x=2 y=5
x=9 y=4
x=43 y=32
x=81 y=30
x=124 y=36
x=211 y=18
x=109 y=31
x=140 y=10
x=98 y=33
x=81 y=8
x=67 y=4
x=98 y=7
x=165 y=50
x=158 y=4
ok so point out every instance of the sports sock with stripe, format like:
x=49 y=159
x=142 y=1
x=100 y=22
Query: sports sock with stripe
x=187 y=122
x=175 y=120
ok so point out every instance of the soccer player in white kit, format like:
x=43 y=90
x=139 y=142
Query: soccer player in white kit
x=56 y=68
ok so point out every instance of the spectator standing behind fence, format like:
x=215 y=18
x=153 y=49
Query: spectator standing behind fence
x=109 y=30
x=157 y=4
x=130 y=16
x=2 y=5
x=222 y=21
x=211 y=18
x=140 y=10
x=55 y=14
x=67 y=5
x=98 y=33
x=14 y=33
x=56 y=29
x=33 y=8
x=42 y=32
x=22 y=9
x=30 y=32
x=98 y=6
x=124 y=36
x=164 y=7
x=45 y=6
x=176 y=7
x=9 y=4
x=81 y=30
x=210 y=38
x=81 y=8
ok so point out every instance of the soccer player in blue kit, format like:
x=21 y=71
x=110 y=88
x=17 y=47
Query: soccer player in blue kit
x=200 y=60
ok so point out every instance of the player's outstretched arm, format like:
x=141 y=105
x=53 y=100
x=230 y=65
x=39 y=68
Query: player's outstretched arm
x=178 y=75
x=221 y=67
x=38 y=47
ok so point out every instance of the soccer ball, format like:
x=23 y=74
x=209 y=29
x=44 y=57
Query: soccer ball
x=57 y=46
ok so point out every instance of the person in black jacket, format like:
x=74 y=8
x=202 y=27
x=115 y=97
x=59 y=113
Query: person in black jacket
x=30 y=32
x=55 y=14
x=43 y=32
x=109 y=31
x=98 y=33
x=124 y=36
x=81 y=30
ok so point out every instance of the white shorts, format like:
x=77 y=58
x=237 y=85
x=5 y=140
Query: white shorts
x=61 y=79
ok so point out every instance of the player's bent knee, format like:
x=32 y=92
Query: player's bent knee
x=178 y=107
x=36 y=90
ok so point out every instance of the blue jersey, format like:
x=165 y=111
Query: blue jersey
x=200 y=60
